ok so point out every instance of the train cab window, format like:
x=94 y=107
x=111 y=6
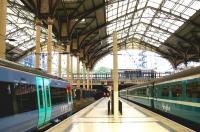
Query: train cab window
x=193 y=89
x=176 y=90
x=165 y=92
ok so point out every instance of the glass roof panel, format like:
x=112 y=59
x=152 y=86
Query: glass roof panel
x=20 y=27
x=154 y=3
x=151 y=21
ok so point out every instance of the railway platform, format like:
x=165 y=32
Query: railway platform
x=94 y=118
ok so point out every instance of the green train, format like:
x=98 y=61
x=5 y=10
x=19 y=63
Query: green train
x=177 y=94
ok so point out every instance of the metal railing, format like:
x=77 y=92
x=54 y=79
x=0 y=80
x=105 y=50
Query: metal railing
x=123 y=77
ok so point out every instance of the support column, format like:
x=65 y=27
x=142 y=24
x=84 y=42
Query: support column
x=91 y=80
x=68 y=63
x=37 y=51
x=59 y=61
x=69 y=69
x=84 y=75
x=78 y=72
x=49 y=46
x=115 y=75
x=68 y=66
x=71 y=78
x=3 y=16
x=88 y=79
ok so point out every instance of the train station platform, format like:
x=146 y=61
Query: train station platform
x=94 y=118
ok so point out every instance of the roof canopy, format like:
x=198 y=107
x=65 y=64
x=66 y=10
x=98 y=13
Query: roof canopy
x=170 y=28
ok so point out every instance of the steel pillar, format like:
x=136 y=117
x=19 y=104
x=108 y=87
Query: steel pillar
x=3 y=16
x=49 y=46
x=115 y=75
x=91 y=80
x=71 y=68
x=78 y=71
x=88 y=78
x=68 y=66
x=59 y=61
x=84 y=76
x=37 y=51
x=68 y=63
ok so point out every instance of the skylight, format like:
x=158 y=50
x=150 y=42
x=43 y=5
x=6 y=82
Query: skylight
x=21 y=27
x=150 y=21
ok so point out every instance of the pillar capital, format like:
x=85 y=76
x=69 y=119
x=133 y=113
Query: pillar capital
x=59 y=42
x=38 y=22
x=50 y=21
x=68 y=49
x=78 y=54
x=83 y=63
x=88 y=67
x=59 y=48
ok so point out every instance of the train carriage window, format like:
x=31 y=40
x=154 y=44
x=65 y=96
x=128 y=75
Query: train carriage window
x=132 y=92
x=26 y=97
x=48 y=98
x=17 y=98
x=69 y=96
x=193 y=89
x=143 y=91
x=176 y=90
x=58 y=95
x=6 y=103
x=165 y=92
x=41 y=96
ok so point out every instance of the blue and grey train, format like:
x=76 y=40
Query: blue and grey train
x=177 y=94
x=30 y=98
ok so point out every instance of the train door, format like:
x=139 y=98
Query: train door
x=44 y=100
x=152 y=94
x=41 y=102
x=155 y=95
x=47 y=100
x=70 y=95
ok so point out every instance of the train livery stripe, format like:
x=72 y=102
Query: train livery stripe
x=141 y=97
x=171 y=101
x=179 y=102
